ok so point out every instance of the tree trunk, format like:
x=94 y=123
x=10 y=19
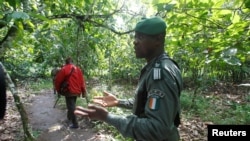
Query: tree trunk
x=24 y=117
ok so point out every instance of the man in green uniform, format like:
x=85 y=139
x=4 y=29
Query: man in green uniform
x=156 y=105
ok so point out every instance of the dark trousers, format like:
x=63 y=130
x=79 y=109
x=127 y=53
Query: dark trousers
x=54 y=87
x=71 y=104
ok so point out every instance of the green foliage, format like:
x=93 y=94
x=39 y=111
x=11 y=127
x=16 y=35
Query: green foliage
x=39 y=84
x=209 y=39
x=216 y=109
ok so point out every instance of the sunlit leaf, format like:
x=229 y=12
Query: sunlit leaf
x=20 y=26
x=39 y=16
x=235 y=18
x=232 y=61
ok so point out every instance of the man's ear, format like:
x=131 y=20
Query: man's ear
x=159 y=39
x=160 y=36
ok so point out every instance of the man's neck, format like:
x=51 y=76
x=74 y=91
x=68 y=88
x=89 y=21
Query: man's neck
x=156 y=54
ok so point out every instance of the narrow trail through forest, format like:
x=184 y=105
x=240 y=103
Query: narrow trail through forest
x=52 y=121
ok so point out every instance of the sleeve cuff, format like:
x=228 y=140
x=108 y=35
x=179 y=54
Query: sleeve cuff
x=109 y=118
x=112 y=119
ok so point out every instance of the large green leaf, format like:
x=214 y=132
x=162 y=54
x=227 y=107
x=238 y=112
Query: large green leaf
x=19 y=15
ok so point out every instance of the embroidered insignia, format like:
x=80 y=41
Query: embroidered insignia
x=154 y=103
x=156 y=92
x=157 y=74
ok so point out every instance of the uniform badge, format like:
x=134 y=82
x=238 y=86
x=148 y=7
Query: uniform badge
x=157 y=72
x=154 y=102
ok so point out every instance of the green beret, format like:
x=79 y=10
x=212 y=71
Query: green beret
x=151 y=26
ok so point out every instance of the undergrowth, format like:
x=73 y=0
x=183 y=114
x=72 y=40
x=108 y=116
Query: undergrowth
x=217 y=109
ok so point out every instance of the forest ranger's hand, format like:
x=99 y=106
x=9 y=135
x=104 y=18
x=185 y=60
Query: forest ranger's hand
x=93 y=112
x=108 y=100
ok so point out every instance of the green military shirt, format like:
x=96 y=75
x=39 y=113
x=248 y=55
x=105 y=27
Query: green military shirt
x=156 y=103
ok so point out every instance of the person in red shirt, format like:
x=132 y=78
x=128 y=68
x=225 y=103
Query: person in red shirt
x=76 y=87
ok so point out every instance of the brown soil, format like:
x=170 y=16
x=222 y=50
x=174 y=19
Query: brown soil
x=46 y=122
x=53 y=124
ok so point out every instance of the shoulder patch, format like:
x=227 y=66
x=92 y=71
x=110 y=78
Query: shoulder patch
x=154 y=97
x=156 y=92
x=157 y=71
x=154 y=102
x=157 y=74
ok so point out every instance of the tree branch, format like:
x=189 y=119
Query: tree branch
x=11 y=32
x=111 y=29
x=88 y=18
x=217 y=24
x=82 y=17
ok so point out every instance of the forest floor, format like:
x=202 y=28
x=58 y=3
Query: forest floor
x=47 y=123
x=50 y=124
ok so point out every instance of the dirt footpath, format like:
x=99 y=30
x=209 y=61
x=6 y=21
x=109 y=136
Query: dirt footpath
x=52 y=123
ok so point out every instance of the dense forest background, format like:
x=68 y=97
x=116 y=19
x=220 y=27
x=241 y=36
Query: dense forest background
x=209 y=39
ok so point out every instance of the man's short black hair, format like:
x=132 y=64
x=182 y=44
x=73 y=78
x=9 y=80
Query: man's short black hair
x=68 y=60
